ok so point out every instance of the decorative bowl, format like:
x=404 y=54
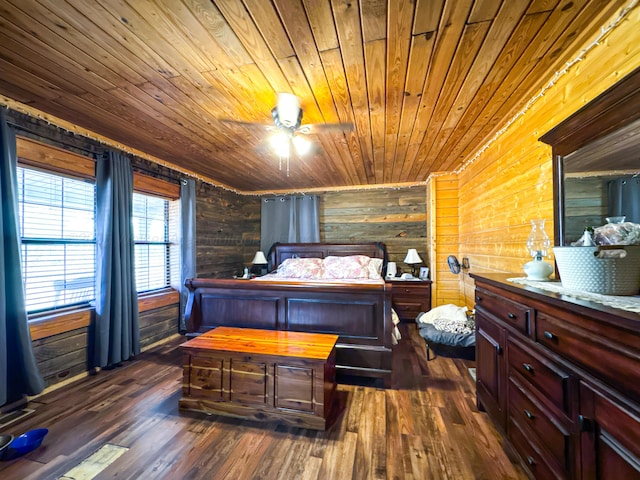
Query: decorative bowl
x=27 y=441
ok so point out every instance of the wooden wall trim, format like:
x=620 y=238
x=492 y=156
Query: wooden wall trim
x=61 y=322
x=155 y=186
x=41 y=155
x=37 y=154
x=157 y=300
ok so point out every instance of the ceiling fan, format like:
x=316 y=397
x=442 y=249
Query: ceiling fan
x=287 y=124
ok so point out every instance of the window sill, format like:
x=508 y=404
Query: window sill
x=48 y=325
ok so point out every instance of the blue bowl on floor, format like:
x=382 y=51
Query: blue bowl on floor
x=27 y=441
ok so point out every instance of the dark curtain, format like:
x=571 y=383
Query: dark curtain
x=187 y=241
x=116 y=336
x=624 y=198
x=19 y=374
x=289 y=219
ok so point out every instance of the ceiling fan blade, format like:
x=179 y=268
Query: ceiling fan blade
x=313 y=128
x=240 y=123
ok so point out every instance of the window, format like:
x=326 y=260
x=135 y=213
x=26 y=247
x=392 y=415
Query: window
x=57 y=214
x=152 y=245
x=57 y=229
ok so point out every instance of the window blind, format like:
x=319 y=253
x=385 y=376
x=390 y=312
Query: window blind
x=57 y=229
x=152 y=246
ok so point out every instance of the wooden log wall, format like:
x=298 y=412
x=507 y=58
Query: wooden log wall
x=227 y=231
x=585 y=205
x=64 y=356
x=443 y=212
x=511 y=182
x=396 y=217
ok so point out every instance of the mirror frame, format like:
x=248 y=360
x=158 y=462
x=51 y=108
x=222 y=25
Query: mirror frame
x=615 y=108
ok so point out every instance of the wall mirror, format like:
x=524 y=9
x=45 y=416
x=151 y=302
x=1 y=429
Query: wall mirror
x=597 y=162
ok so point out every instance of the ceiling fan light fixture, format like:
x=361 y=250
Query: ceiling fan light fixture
x=301 y=145
x=288 y=113
x=280 y=143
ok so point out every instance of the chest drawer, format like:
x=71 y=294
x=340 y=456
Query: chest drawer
x=547 y=378
x=610 y=353
x=533 y=416
x=512 y=313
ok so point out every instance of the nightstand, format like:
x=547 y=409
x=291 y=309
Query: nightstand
x=410 y=297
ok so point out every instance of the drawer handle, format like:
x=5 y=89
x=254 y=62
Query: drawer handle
x=584 y=424
x=529 y=415
x=531 y=461
x=406 y=290
x=528 y=367
x=549 y=335
x=478 y=298
x=511 y=315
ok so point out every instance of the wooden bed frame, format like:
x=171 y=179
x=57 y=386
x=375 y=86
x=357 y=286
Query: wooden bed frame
x=359 y=313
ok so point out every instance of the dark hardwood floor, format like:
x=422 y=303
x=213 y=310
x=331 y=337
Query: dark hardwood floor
x=426 y=427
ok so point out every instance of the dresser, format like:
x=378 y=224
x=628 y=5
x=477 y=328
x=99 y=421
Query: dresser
x=410 y=297
x=560 y=377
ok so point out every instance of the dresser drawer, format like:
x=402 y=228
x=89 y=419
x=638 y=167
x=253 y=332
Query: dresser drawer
x=531 y=415
x=611 y=429
x=531 y=453
x=542 y=374
x=512 y=313
x=611 y=354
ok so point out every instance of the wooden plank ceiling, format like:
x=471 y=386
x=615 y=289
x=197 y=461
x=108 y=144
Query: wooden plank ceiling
x=424 y=82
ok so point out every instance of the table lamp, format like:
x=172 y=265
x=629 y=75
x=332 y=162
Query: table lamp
x=412 y=259
x=259 y=264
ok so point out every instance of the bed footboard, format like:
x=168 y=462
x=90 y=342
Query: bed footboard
x=359 y=314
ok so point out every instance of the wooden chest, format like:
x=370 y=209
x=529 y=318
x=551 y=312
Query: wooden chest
x=261 y=375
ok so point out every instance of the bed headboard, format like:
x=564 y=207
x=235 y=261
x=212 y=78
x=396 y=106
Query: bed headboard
x=281 y=251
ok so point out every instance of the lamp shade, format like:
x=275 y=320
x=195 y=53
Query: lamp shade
x=412 y=257
x=259 y=259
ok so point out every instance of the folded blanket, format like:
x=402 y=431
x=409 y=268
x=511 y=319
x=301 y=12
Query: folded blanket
x=448 y=318
x=449 y=311
x=455 y=325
